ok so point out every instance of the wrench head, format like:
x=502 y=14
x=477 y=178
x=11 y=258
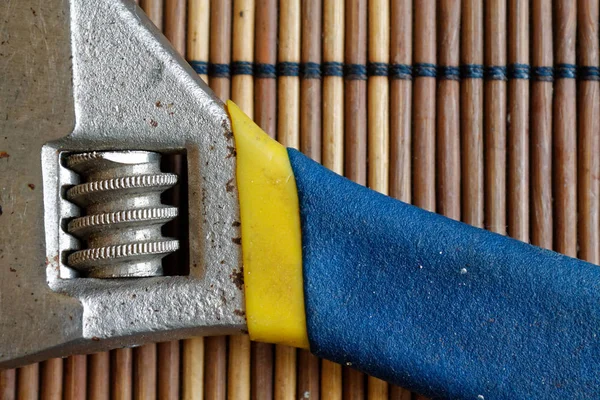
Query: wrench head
x=81 y=76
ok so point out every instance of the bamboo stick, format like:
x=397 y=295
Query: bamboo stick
x=518 y=128
x=154 y=10
x=448 y=106
x=265 y=115
x=354 y=384
x=51 y=379
x=401 y=101
x=398 y=393
x=144 y=362
x=215 y=348
x=243 y=95
x=333 y=91
x=215 y=378
x=355 y=135
x=589 y=135
x=220 y=45
x=308 y=376
x=471 y=124
x=243 y=51
x=238 y=374
x=98 y=371
x=564 y=140
x=541 y=129
x=288 y=90
x=285 y=373
x=144 y=372
x=288 y=134
x=75 y=373
x=192 y=385
x=333 y=142
x=401 y=36
x=424 y=93
x=8 y=384
x=378 y=125
x=495 y=118
x=198 y=46
x=265 y=86
x=198 y=36
x=311 y=145
x=331 y=380
x=28 y=382
x=310 y=91
x=174 y=21
x=355 y=92
x=261 y=373
x=378 y=96
x=122 y=374
x=168 y=370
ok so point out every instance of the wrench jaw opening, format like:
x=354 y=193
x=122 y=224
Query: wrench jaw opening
x=132 y=92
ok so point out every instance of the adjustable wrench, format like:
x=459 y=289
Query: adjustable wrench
x=92 y=97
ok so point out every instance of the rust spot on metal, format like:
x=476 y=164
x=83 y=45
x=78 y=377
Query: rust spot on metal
x=236 y=224
x=12 y=269
x=4 y=154
x=239 y=313
x=229 y=186
x=153 y=123
x=158 y=104
x=237 y=277
x=31 y=186
x=96 y=339
x=237 y=240
x=232 y=152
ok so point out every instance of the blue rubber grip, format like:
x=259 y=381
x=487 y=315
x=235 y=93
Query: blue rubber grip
x=440 y=307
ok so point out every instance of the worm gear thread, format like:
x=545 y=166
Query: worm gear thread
x=121 y=228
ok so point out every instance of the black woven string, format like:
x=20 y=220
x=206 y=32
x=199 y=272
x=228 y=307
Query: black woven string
x=311 y=70
x=219 y=70
x=201 y=67
x=400 y=71
x=495 y=72
x=447 y=72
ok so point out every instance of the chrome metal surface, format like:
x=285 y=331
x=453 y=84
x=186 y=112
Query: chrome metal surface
x=123 y=214
x=95 y=75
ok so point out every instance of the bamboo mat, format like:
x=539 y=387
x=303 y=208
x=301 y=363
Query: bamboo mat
x=484 y=111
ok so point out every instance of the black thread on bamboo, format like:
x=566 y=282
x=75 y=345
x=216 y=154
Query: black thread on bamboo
x=518 y=71
x=448 y=72
x=401 y=71
x=565 y=71
x=426 y=70
x=219 y=70
x=471 y=71
x=265 y=71
x=378 y=69
x=333 y=68
x=310 y=70
x=355 y=72
x=201 y=67
x=588 y=73
x=495 y=72
x=242 y=68
x=287 y=68
x=544 y=74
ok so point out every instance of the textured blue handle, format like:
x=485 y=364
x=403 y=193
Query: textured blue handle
x=437 y=306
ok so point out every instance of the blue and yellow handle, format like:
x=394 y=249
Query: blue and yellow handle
x=431 y=304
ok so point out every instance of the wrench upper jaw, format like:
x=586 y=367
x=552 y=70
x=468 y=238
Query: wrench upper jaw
x=130 y=91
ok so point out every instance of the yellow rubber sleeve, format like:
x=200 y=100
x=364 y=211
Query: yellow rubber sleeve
x=271 y=236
